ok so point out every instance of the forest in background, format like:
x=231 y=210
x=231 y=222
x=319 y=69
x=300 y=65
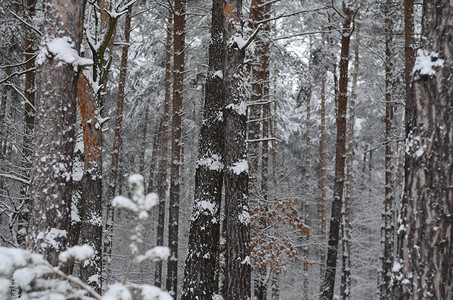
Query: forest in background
x=288 y=149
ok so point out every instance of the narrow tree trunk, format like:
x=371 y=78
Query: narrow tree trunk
x=345 y=292
x=51 y=182
x=117 y=145
x=162 y=184
x=328 y=284
x=238 y=269
x=322 y=176
x=144 y=135
x=423 y=268
x=179 y=47
x=28 y=124
x=202 y=266
x=409 y=58
x=260 y=117
x=387 y=216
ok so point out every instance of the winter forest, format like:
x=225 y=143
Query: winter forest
x=226 y=149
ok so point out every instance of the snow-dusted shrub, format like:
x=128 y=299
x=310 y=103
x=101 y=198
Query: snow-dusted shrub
x=38 y=279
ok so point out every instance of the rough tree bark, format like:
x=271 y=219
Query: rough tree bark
x=322 y=175
x=237 y=254
x=51 y=180
x=345 y=291
x=328 y=284
x=29 y=92
x=202 y=266
x=424 y=266
x=179 y=47
x=259 y=119
x=387 y=229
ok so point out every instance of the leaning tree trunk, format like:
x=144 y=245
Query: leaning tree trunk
x=51 y=180
x=237 y=254
x=345 y=292
x=179 y=48
x=424 y=266
x=202 y=266
x=328 y=283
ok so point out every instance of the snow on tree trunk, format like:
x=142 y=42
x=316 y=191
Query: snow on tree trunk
x=237 y=254
x=424 y=264
x=179 y=48
x=259 y=118
x=117 y=147
x=346 y=229
x=51 y=174
x=387 y=229
x=328 y=284
x=202 y=265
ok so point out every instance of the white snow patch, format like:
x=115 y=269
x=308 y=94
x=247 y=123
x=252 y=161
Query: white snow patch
x=218 y=73
x=79 y=253
x=240 y=166
x=4 y=288
x=156 y=254
x=426 y=62
x=212 y=163
x=240 y=108
x=117 y=291
x=150 y=292
x=206 y=206
x=62 y=49
x=244 y=217
x=396 y=267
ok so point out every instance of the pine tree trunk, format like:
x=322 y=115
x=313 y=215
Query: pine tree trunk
x=409 y=59
x=424 y=267
x=144 y=136
x=51 y=182
x=162 y=184
x=387 y=229
x=202 y=266
x=179 y=47
x=238 y=269
x=322 y=175
x=29 y=122
x=260 y=117
x=117 y=146
x=91 y=184
x=345 y=292
x=328 y=284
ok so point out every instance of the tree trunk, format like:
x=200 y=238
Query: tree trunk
x=322 y=175
x=179 y=47
x=387 y=228
x=144 y=136
x=260 y=119
x=328 y=284
x=424 y=267
x=162 y=184
x=29 y=122
x=238 y=269
x=409 y=57
x=117 y=145
x=345 y=292
x=51 y=182
x=202 y=266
